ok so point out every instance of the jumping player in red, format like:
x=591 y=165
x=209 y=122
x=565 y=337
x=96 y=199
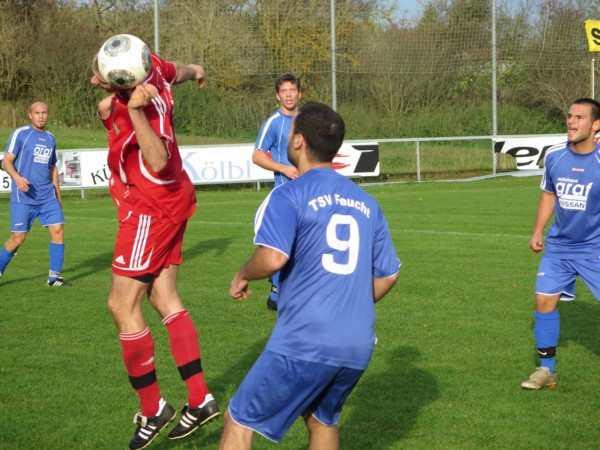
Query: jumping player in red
x=154 y=198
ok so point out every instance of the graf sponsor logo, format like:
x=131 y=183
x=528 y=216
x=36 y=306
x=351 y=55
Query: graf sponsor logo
x=577 y=170
x=41 y=154
x=572 y=195
x=40 y=150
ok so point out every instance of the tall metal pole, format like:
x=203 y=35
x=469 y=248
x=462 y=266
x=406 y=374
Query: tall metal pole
x=494 y=87
x=156 y=39
x=593 y=78
x=333 y=58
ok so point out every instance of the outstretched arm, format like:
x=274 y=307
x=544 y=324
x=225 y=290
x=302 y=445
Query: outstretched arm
x=189 y=72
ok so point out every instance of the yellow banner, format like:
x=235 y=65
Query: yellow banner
x=592 y=30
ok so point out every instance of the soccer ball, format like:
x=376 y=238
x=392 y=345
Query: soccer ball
x=124 y=61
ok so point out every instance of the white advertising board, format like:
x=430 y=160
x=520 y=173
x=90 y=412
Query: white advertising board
x=529 y=152
x=87 y=168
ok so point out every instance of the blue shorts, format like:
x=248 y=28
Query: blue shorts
x=23 y=215
x=557 y=276
x=279 y=389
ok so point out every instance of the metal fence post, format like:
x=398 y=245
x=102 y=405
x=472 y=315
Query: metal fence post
x=418 y=161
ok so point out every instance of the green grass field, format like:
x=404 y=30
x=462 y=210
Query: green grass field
x=455 y=336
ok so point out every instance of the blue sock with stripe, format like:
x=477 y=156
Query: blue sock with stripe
x=5 y=257
x=546 y=332
x=57 y=259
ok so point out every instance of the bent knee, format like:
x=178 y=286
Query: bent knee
x=113 y=304
x=546 y=303
x=18 y=238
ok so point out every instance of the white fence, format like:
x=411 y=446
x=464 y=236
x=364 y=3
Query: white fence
x=223 y=164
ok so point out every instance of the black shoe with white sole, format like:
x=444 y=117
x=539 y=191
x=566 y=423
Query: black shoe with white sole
x=194 y=418
x=58 y=282
x=148 y=428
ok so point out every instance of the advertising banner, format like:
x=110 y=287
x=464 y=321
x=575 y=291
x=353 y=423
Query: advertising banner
x=87 y=168
x=529 y=152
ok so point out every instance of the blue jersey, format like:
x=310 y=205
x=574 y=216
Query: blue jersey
x=273 y=139
x=575 y=180
x=337 y=240
x=35 y=154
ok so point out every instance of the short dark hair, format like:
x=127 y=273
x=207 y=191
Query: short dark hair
x=591 y=102
x=287 y=77
x=322 y=128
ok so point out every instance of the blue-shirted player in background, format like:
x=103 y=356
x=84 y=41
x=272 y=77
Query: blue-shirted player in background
x=30 y=159
x=270 y=151
x=570 y=191
x=331 y=242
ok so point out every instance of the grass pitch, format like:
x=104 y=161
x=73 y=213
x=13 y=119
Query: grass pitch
x=455 y=335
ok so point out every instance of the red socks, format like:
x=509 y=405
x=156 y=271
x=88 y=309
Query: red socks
x=138 y=354
x=186 y=351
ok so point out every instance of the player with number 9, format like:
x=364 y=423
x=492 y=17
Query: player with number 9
x=331 y=242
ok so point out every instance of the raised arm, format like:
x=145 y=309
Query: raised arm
x=153 y=148
x=104 y=107
x=189 y=72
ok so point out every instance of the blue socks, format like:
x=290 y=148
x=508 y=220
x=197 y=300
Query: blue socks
x=57 y=258
x=546 y=332
x=5 y=257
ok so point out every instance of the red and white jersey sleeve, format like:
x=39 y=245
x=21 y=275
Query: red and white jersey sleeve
x=168 y=193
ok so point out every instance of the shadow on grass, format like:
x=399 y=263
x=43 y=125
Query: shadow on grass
x=227 y=381
x=7 y=281
x=386 y=404
x=96 y=263
x=201 y=247
x=103 y=261
x=580 y=322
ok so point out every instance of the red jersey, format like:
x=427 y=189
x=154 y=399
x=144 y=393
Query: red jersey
x=167 y=194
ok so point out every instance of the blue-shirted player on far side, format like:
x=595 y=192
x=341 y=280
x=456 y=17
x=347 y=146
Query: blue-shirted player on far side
x=570 y=191
x=270 y=151
x=331 y=242
x=30 y=159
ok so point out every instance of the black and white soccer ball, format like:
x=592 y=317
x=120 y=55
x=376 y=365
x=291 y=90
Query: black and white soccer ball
x=124 y=61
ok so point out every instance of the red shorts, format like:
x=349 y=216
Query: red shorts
x=145 y=244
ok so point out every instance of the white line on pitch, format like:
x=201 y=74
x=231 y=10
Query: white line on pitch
x=395 y=230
